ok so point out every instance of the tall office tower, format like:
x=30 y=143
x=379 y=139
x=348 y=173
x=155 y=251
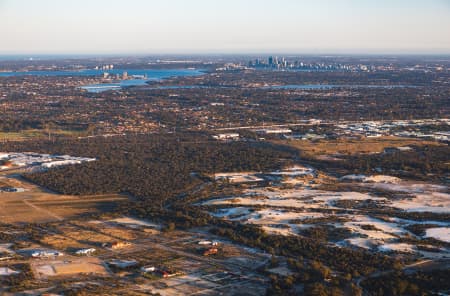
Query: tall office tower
x=270 y=61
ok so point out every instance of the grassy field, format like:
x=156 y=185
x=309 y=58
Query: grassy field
x=31 y=134
x=36 y=134
x=351 y=147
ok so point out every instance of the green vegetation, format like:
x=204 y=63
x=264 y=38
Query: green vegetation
x=416 y=284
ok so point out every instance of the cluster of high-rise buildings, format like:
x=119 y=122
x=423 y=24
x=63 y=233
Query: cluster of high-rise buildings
x=274 y=62
x=104 y=67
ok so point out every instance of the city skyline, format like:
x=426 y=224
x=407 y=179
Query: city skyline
x=219 y=27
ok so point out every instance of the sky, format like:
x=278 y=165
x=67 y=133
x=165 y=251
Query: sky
x=224 y=26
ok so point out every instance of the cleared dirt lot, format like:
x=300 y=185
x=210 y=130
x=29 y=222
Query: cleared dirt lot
x=37 y=205
x=350 y=147
x=68 y=267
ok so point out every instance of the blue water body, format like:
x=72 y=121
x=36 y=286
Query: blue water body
x=111 y=86
x=151 y=74
x=96 y=88
x=176 y=87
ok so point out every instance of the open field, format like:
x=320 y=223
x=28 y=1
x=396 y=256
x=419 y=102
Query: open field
x=19 y=136
x=68 y=267
x=350 y=147
x=37 y=134
x=38 y=205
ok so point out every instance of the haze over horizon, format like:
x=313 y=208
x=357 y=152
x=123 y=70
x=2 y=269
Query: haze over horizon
x=202 y=26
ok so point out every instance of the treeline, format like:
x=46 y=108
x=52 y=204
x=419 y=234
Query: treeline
x=428 y=162
x=421 y=161
x=16 y=125
x=420 y=283
x=13 y=124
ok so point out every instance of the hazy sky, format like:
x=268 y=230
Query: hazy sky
x=224 y=26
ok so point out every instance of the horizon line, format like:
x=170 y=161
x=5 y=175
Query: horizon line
x=237 y=53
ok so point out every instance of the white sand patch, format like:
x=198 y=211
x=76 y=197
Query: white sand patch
x=408 y=187
x=282 y=205
x=440 y=233
x=397 y=247
x=277 y=221
x=281 y=270
x=372 y=179
x=4 y=155
x=437 y=202
x=278 y=230
x=328 y=158
x=385 y=230
x=133 y=223
x=244 y=177
x=347 y=196
x=5 y=248
x=268 y=216
x=293 y=181
x=6 y=271
x=354 y=177
x=295 y=171
x=383 y=235
x=272 y=221
x=269 y=202
x=382 y=179
x=297 y=198
x=359 y=242
x=410 y=222
x=428 y=197
x=232 y=213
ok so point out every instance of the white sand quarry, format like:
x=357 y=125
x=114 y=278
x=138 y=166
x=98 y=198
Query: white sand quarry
x=134 y=223
x=295 y=198
x=281 y=205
